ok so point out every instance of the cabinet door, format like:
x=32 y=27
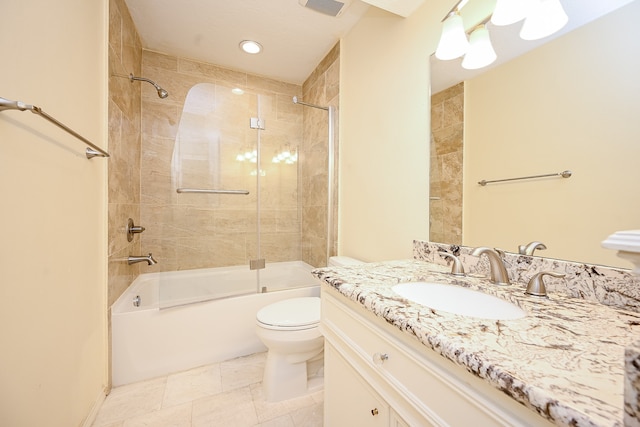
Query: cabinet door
x=348 y=399
x=396 y=421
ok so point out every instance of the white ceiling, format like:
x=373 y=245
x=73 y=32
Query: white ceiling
x=295 y=38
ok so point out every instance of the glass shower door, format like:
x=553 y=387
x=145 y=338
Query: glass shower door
x=213 y=211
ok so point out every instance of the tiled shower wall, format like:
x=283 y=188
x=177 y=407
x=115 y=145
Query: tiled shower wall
x=321 y=88
x=445 y=205
x=191 y=231
x=125 y=56
x=186 y=231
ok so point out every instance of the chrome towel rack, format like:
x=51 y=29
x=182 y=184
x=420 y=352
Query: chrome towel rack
x=91 y=152
x=206 y=191
x=563 y=174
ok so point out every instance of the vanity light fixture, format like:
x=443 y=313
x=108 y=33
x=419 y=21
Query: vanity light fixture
x=480 y=53
x=250 y=46
x=541 y=19
x=509 y=12
x=545 y=18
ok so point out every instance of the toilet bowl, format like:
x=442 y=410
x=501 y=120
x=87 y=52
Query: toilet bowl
x=290 y=331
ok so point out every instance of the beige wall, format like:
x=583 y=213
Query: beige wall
x=384 y=133
x=572 y=104
x=321 y=88
x=53 y=220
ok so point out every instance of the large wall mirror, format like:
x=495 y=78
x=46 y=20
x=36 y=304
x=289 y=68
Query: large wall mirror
x=572 y=103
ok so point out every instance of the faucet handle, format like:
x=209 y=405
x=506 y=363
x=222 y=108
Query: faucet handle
x=530 y=248
x=457 y=269
x=536 y=285
x=131 y=229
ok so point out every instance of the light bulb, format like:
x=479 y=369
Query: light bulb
x=509 y=12
x=453 y=41
x=546 y=17
x=481 y=51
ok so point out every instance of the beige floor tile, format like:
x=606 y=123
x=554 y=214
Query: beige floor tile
x=309 y=416
x=270 y=410
x=229 y=409
x=318 y=396
x=175 y=416
x=192 y=385
x=130 y=401
x=242 y=371
x=284 y=421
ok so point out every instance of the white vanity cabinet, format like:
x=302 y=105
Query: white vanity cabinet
x=377 y=375
x=352 y=401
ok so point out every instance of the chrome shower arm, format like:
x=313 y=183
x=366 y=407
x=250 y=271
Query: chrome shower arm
x=161 y=92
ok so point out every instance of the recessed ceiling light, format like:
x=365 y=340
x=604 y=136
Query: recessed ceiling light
x=237 y=91
x=250 y=46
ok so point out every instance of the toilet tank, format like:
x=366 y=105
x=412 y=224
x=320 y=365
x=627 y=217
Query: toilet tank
x=343 y=261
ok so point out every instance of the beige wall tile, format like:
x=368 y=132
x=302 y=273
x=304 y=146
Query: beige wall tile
x=125 y=56
x=447 y=118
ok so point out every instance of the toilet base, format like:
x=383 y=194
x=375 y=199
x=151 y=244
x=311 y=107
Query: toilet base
x=284 y=380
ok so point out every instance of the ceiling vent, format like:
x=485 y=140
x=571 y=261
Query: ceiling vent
x=328 y=7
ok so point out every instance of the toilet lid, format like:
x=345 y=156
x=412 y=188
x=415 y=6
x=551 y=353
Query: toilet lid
x=292 y=312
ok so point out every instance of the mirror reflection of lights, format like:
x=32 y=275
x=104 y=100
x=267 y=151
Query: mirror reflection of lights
x=248 y=156
x=286 y=156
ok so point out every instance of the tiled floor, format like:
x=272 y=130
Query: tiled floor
x=227 y=394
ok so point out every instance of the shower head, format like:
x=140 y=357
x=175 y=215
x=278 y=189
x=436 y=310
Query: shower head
x=161 y=92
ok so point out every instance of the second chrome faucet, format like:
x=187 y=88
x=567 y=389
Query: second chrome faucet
x=499 y=274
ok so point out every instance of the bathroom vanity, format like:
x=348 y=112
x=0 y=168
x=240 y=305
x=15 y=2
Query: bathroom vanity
x=393 y=362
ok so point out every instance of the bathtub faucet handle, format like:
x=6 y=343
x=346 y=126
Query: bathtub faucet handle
x=132 y=229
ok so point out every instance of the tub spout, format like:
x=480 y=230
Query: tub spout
x=148 y=259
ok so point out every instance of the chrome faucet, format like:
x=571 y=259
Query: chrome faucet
x=148 y=259
x=529 y=248
x=499 y=274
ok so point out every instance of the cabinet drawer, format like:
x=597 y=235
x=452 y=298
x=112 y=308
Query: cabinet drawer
x=435 y=390
x=349 y=400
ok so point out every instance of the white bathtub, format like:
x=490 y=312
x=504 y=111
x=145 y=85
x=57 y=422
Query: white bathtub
x=156 y=339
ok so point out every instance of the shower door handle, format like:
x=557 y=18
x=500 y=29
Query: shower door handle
x=206 y=191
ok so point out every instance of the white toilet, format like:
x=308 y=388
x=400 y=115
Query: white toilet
x=289 y=330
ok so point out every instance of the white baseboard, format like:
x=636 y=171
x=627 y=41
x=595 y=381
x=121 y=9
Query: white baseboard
x=97 y=404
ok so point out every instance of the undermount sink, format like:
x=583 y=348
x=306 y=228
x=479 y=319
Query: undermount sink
x=459 y=300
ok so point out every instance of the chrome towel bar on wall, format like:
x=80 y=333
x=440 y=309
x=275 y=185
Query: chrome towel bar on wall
x=563 y=174
x=91 y=152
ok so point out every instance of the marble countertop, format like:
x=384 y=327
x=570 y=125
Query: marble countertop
x=564 y=360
